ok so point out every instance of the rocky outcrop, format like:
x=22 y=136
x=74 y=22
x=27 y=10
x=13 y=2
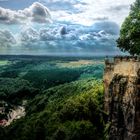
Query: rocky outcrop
x=122 y=98
x=10 y=113
x=16 y=113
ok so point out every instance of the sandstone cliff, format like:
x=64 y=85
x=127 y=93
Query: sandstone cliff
x=122 y=97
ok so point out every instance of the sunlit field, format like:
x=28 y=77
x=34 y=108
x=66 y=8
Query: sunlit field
x=4 y=62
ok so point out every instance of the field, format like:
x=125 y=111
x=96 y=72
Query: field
x=4 y=62
x=62 y=97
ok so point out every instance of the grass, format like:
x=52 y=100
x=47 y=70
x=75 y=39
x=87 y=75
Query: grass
x=4 y=62
x=79 y=63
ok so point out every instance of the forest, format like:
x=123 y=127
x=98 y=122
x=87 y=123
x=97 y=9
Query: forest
x=62 y=97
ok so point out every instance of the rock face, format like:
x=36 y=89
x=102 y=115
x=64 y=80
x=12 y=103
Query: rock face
x=10 y=113
x=122 y=97
x=16 y=113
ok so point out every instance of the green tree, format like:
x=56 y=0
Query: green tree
x=129 y=39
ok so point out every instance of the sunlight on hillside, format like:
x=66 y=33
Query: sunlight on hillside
x=4 y=62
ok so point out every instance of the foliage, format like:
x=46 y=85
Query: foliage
x=46 y=74
x=14 y=90
x=2 y=133
x=63 y=102
x=75 y=114
x=130 y=31
x=52 y=77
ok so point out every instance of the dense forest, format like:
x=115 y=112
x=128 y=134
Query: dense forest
x=63 y=98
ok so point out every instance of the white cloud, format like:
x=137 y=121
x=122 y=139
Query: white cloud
x=84 y=12
x=7 y=39
x=114 y=10
x=93 y=10
x=29 y=35
x=35 y=13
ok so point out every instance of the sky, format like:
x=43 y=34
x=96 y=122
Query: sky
x=61 y=27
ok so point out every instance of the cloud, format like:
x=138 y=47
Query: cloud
x=62 y=5
x=7 y=39
x=79 y=26
x=86 y=12
x=39 y=13
x=108 y=26
x=29 y=35
x=119 y=7
x=35 y=13
x=115 y=11
x=73 y=38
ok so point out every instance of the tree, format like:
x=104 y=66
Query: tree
x=129 y=39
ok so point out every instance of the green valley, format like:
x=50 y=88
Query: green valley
x=62 y=97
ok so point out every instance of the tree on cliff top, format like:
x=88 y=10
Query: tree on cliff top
x=129 y=39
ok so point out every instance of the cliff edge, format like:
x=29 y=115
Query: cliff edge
x=122 y=97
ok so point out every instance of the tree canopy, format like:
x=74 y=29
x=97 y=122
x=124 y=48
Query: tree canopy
x=129 y=39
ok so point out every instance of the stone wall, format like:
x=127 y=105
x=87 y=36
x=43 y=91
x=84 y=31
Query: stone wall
x=122 y=97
